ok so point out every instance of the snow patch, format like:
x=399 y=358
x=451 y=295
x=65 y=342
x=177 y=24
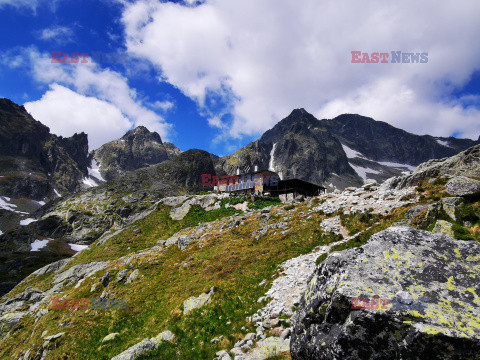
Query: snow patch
x=57 y=193
x=25 y=222
x=362 y=172
x=397 y=165
x=39 y=244
x=41 y=203
x=351 y=153
x=443 y=142
x=94 y=170
x=4 y=204
x=1 y=232
x=90 y=182
x=271 y=163
x=76 y=247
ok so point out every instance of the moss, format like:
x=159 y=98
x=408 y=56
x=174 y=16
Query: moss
x=321 y=258
x=461 y=233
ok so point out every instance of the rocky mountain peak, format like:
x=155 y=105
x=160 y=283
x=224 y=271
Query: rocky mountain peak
x=141 y=133
x=138 y=148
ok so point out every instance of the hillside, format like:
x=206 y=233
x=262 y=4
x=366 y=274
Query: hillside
x=203 y=279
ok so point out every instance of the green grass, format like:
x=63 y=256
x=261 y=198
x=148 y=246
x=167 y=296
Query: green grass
x=230 y=262
x=355 y=223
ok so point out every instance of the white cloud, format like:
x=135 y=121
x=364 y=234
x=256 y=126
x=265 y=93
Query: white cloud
x=58 y=34
x=32 y=4
x=268 y=57
x=91 y=81
x=66 y=112
x=163 y=105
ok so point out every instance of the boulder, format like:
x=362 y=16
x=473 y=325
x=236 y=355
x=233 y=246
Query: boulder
x=8 y=321
x=183 y=241
x=105 y=278
x=121 y=275
x=451 y=206
x=405 y=294
x=422 y=216
x=197 y=302
x=443 y=227
x=164 y=336
x=369 y=184
x=463 y=186
x=268 y=348
x=110 y=337
x=133 y=276
x=143 y=347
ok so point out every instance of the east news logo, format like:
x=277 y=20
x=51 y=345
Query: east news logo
x=397 y=57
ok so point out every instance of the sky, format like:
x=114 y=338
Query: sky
x=216 y=74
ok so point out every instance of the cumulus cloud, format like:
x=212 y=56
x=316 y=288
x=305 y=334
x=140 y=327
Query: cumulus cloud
x=66 y=112
x=267 y=57
x=89 y=81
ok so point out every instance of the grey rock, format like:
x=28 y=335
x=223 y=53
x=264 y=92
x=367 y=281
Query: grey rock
x=8 y=321
x=443 y=227
x=54 y=337
x=236 y=351
x=424 y=277
x=77 y=272
x=451 y=206
x=110 y=337
x=121 y=276
x=56 y=267
x=422 y=216
x=166 y=336
x=286 y=333
x=197 y=302
x=463 y=186
x=133 y=276
x=465 y=163
x=105 y=278
x=183 y=241
x=143 y=347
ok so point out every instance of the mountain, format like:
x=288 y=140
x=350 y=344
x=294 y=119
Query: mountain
x=296 y=147
x=340 y=152
x=138 y=148
x=35 y=164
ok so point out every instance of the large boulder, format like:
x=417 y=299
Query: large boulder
x=406 y=294
x=463 y=186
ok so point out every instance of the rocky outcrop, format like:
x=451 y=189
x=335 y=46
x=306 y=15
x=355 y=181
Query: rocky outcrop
x=35 y=163
x=405 y=294
x=466 y=164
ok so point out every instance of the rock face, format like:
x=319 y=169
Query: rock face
x=379 y=141
x=406 y=294
x=34 y=162
x=138 y=148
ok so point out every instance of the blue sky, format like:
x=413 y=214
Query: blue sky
x=216 y=74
